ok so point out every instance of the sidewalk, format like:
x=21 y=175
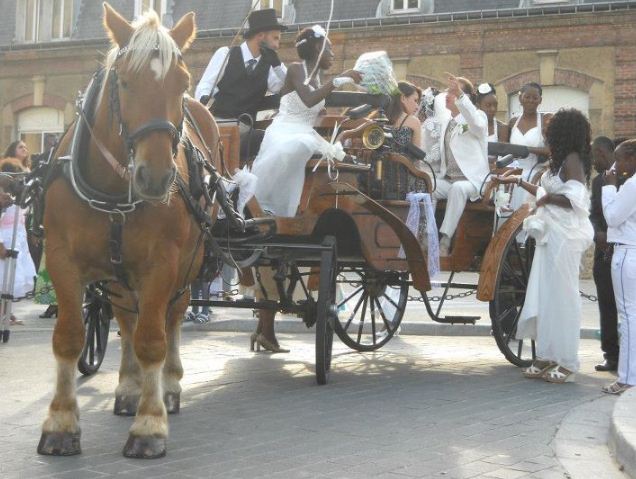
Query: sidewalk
x=622 y=440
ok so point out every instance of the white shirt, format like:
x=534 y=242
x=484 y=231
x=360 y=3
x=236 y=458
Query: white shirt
x=216 y=67
x=619 y=209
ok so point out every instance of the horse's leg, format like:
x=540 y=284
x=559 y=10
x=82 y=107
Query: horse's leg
x=129 y=387
x=149 y=431
x=61 y=430
x=172 y=369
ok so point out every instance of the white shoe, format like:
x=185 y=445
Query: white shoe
x=444 y=245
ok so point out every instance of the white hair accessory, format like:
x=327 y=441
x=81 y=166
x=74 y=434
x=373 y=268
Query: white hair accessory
x=485 y=89
x=318 y=32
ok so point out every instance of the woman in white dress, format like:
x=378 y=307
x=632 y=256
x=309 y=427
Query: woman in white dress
x=527 y=130
x=289 y=143
x=551 y=313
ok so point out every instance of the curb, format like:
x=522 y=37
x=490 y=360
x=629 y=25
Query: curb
x=290 y=326
x=622 y=435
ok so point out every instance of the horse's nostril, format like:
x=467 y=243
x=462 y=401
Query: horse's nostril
x=142 y=175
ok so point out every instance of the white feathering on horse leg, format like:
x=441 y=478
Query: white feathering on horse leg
x=64 y=412
x=151 y=419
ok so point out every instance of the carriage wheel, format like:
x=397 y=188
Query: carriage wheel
x=370 y=315
x=510 y=294
x=326 y=307
x=97 y=325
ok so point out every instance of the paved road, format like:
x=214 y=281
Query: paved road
x=447 y=407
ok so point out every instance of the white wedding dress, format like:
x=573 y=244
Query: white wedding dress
x=552 y=310
x=289 y=143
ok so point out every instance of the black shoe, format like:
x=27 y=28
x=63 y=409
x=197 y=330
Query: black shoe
x=607 y=366
x=50 y=312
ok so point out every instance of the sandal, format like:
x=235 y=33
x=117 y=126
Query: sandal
x=15 y=322
x=558 y=375
x=615 y=388
x=537 y=369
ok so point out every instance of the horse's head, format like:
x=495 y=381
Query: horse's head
x=147 y=79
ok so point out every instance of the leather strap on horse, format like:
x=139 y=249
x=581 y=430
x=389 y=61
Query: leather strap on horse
x=115 y=242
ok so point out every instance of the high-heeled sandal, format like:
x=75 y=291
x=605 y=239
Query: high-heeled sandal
x=558 y=375
x=615 y=388
x=537 y=369
x=261 y=340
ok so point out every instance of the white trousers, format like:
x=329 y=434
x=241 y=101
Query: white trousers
x=624 y=279
x=456 y=194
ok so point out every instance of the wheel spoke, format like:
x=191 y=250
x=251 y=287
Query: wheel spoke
x=362 y=316
x=349 y=297
x=513 y=275
x=391 y=301
x=372 y=306
x=355 y=310
x=387 y=325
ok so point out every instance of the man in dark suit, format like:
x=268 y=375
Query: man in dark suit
x=238 y=78
x=603 y=155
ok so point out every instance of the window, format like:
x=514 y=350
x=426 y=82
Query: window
x=158 y=6
x=278 y=5
x=44 y=20
x=38 y=126
x=405 y=6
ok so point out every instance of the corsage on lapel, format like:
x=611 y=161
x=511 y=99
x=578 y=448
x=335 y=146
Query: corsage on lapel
x=463 y=128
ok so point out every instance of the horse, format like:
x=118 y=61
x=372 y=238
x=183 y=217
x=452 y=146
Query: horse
x=117 y=216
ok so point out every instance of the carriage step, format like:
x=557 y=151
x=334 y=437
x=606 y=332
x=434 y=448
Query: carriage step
x=459 y=319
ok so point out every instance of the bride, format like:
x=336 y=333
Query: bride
x=289 y=142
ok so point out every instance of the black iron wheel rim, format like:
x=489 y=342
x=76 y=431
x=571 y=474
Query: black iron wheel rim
x=510 y=293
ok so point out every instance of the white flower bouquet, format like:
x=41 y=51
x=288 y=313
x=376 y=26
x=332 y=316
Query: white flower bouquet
x=377 y=73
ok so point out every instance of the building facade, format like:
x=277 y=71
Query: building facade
x=583 y=52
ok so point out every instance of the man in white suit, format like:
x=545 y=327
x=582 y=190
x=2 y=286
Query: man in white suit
x=464 y=156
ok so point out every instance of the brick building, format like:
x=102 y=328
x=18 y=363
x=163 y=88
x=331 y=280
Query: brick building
x=582 y=51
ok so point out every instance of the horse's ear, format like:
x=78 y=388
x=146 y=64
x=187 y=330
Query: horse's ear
x=184 y=32
x=118 y=29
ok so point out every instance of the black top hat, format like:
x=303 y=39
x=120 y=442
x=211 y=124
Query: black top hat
x=263 y=21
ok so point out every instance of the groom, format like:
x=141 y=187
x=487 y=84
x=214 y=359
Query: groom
x=238 y=78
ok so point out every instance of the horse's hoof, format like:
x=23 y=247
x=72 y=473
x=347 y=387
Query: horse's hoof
x=145 y=447
x=172 y=402
x=126 y=405
x=59 y=444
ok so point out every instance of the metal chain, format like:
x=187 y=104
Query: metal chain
x=449 y=297
x=33 y=294
x=589 y=297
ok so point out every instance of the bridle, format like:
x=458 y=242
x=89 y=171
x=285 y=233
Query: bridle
x=156 y=124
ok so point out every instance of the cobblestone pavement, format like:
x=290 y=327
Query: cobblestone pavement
x=447 y=407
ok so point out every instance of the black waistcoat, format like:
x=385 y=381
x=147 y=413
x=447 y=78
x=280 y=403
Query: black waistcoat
x=239 y=92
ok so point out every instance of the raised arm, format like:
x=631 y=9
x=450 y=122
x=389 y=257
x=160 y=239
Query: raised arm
x=476 y=119
x=295 y=81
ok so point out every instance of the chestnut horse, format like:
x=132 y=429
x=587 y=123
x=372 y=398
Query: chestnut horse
x=135 y=151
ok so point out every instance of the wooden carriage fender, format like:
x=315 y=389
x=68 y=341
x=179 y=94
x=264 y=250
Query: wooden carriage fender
x=491 y=262
x=414 y=257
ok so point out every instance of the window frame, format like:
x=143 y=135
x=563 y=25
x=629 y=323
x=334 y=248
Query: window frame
x=262 y=4
x=163 y=5
x=404 y=9
x=38 y=12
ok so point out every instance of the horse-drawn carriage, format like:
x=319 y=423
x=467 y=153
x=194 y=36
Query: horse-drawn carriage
x=350 y=232
x=126 y=203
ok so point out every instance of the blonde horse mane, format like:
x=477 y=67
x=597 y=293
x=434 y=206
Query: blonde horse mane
x=150 y=38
